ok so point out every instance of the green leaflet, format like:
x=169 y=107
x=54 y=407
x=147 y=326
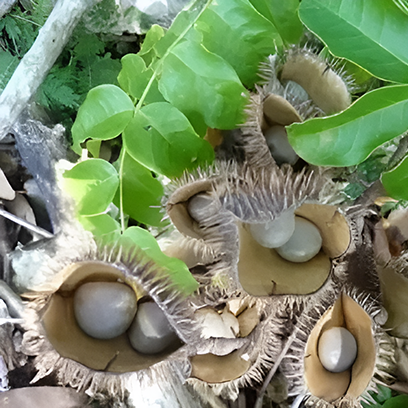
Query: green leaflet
x=141 y=192
x=283 y=15
x=177 y=270
x=243 y=52
x=92 y=183
x=8 y=63
x=147 y=50
x=161 y=138
x=101 y=225
x=216 y=97
x=396 y=181
x=384 y=399
x=373 y=33
x=184 y=22
x=104 y=114
x=348 y=138
x=134 y=78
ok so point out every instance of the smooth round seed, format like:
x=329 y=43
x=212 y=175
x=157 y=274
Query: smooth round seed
x=150 y=332
x=275 y=233
x=104 y=310
x=279 y=146
x=337 y=349
x=304 y=244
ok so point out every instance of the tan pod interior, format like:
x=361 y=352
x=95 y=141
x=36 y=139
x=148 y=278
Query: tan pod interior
x=218 y=369
x=352 y=382
x=262 y=272
x=115 y=355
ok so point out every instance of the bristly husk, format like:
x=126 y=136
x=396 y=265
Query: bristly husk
x=164 y=377
x=394 y=288
x=327 y=86
x=262 y=194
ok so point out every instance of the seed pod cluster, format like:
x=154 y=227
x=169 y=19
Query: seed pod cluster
x=276 y=257
x=279 y=238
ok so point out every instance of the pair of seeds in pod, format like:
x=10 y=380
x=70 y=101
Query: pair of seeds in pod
x=294 y=238
x=105 y=310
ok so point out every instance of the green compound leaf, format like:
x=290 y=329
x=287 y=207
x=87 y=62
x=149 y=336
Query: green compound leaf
x=177 y=270
x=257 y=37
x=283 y=15
x=104 y=114
x=216 y=97
x=370 y=33
x=162 y=139
x=396 y=181
x=134 y=78
x=141 y=192
x=92 y=184
x=348 y=138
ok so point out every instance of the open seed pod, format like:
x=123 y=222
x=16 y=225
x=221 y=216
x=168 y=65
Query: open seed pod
x=296 y=86
x=340 y=352
x=197 y=213
x=109 y=367
x=305 y=79
x=267 y=206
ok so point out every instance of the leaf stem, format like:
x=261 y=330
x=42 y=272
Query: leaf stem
x=122 y=214
x=143 y=97
x=172 y=46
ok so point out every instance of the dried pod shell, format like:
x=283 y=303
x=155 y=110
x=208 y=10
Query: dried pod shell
x=223 y=366
x=107 y=367
x=196 y=211
x=219 y=369
x=278 y=111
x=331 y=386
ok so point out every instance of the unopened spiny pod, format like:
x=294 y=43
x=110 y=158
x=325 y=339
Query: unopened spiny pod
x=340 y=352
x=114 y=325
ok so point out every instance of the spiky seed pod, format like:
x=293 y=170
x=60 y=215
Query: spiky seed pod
x=108 y=368
x=295 y=86
x=307 y=81
x=394 y=288
x=258 y=197
x=359 y=314
x=197 y=213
